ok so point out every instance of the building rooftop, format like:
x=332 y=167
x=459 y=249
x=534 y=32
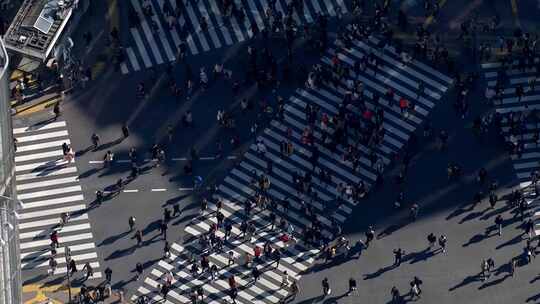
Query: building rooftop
x=37 y=26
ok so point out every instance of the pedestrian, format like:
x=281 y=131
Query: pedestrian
x=396 y=297
x=163 y=229
x=95 y=141
x=139 y=270
x=277 y=256
x=416 y=280
x=213 y=272
x=204 y=206
x=284 y=279
x=72 y=267
x=491 y=264
x=414 y=212
x=233 y=293
x=513 y=265
x=370 y=235
x=352 y=287
x=398 y=256
x=166 y=250
x=164 y=289
x=64 y=216
x=499 y=223
x=420 y=90
x=131 y=222
x=176 y=210
x=89 y=270
x=432 y=239
x=529 y=228
x=139 y=237
x=108 y=159
x=166 y=215
x=294 y=291
x=108 y=274
x=200 y=293
x=232 y=282
x=484 y=270
x=52 y=264
x=326 y=287
x=54 y=239
x=414 y=292
x=442 y=243
x=529 y=252
x=255 y=272
x=230 y=260
x=125 y=131
x=65 y=148
x=56 y=110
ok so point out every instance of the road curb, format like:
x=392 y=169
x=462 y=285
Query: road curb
x=41 y=105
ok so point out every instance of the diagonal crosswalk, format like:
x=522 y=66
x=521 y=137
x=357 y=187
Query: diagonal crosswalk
x=49 y=186
x=305 y=209
x=156 y=37
x=519 y=117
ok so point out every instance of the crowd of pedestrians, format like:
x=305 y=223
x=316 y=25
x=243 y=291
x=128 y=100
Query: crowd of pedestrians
x=264 y=71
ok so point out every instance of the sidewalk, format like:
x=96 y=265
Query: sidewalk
x=34 y=98
x=55 y=295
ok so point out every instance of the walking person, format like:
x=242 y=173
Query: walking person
x=213 y=272
x=108 y=274
x=163 y=229
x=484 y=266
x=499 y=224
x=294 y=291
x=370 y=235
x=139 y=270
x=95 y=141
x=166 y=250
x=396 y=296
x=52 y=265
x=125 y=131
x=256 y=273
x=326 y=287
x=414 y=292
x=442 y=243
x=176 y=210
x=72 y=267
x=131 y=222
x=398 y=256
x=230 y=258
x=416 y=281
x=529 y=228
x=89 y=271
x=352 y=287
x=139 y=237
x=276 y=254
x=56 y=110
x=54 y=239
x=414 y=212
x=432 y=239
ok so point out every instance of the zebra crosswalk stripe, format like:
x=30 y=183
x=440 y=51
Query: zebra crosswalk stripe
x=526 y=162
x=221 y=31
x=237 y=186
x=49 y=186
x=133 y=60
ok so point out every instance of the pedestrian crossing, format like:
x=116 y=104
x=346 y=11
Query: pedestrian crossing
x=519 y=118
x=238 y=186
x=49 y=185
x=156 y=36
